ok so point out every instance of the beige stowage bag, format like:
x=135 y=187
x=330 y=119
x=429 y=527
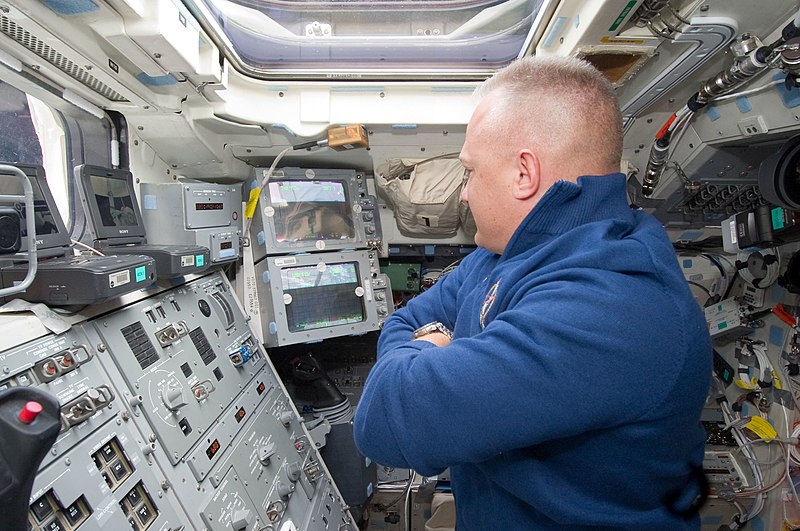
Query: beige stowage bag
x=443 y=513
x=424 y=194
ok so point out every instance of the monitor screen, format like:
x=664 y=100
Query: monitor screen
x=311 y=210
x=114 y=201
x=109 y=201
x=42 y=216
x=321 y=297
x=50 y=230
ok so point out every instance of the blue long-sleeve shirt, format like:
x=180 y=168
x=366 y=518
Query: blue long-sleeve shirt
x=570 y=395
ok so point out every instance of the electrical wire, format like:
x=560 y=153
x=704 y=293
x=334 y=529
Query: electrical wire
x=702 y=287
x=749 y=91
x=407 y=507
x=406 y=487
x=794 y=456
x=728 y=274
x=765 y=372
x=89 y=247
x=757 y=504
x=449 y=268
x=772 y=266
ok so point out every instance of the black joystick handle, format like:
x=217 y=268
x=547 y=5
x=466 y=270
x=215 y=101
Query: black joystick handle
x=29 y=424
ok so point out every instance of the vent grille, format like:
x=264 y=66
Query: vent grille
x=29 y=41
x=140 y=344
x=200 y=341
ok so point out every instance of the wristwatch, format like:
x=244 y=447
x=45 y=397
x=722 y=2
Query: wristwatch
x=435 y=326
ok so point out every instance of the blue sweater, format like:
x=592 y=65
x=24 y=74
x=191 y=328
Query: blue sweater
x=570 y=396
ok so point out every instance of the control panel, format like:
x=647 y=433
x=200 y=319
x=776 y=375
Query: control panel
x=198 y=213
x=172 y=417
x=371 y=217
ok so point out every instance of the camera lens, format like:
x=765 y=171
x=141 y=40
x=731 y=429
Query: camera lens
x=779 y=176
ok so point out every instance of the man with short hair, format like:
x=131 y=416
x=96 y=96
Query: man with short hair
x=570 y=392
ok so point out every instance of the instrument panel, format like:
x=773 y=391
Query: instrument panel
x=173 y=417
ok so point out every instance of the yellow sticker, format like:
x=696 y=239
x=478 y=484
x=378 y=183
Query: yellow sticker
x=776 y=380
x=250 y=208
x=761 y=428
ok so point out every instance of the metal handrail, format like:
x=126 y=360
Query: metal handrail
x=27 y=197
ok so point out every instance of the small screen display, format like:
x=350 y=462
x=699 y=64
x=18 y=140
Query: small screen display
x=321 y=298
x=42 y=216
x=311 y=210
x=114 y=201
x=208 y=206
x=226 y=245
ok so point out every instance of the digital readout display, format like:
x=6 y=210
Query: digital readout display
x=208 y=206
x=212 y=450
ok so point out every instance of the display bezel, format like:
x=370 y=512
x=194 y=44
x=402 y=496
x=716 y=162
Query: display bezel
x=272 y=303
x=265 y=231
x=57 y=240
x=128 y=233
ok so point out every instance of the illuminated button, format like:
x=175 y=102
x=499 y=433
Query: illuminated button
x=144 y=514
x=134 y=497
x=54 y=525
x=41 y=508
x=108 y=452
x=29 y=412
x=118 y=469
x=73 y=514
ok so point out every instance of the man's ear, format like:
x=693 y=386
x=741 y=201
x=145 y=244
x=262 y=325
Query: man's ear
x=529 y=178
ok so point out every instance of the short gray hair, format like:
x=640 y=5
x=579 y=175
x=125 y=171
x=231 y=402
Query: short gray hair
x=563 y=101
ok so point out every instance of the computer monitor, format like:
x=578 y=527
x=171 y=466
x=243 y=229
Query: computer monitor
x=109 y=198
x=322 y=298
x=310 y=210
x=310 y=297
x=52 y=237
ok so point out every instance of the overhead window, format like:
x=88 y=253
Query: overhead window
x=31 y=133
x=354 y=38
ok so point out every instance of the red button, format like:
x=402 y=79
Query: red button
x=30 y=412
